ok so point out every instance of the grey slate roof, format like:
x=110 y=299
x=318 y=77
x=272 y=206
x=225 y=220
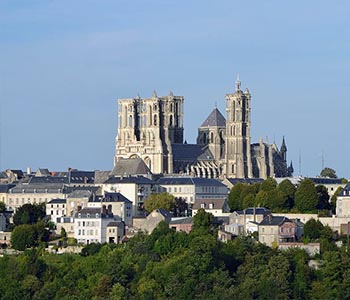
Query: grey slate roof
x=129 y=179
x=274 y=220
x=345 y=191
x=4 y=188
x=101 y=176
x=39 y=188
x=245 y=180
x=258 y=211
x=131 y=166
x=325 y=180
x=48 y=180
x=111 y=197
x=114 y=224
x=206 y=155
x=217 y=203
x=187 y=220
x=214 y=119
x=92 y=212
x=77 y=176
x=186 y=152
x=3 y=175
x=186 y=180
x=57 y=201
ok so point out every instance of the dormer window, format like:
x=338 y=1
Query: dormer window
x=88 y=215
x=97 y=215
x=211 y=205
x=202 y=205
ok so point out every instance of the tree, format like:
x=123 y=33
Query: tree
x=328 y=172
x=323 y=197
x=160 y=200
x=202 y=220
x=313 y=229
x=306 y=196
x=269 y=184
x=23 y=237
x=288 y=191
x=2 y=207
x=234 y=197
x=181 y=207
x=29 y=214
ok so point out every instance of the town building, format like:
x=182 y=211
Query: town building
x=90 y=225
x=275 y=229
x=152 y=129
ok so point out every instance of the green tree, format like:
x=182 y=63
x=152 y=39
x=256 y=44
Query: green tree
x=288 y=192
x=262 y=198
x=202 y=220
x=234 y=197
x=269 y=184
x=29 y=214
x=306 y=196
x=2 y=207
x=249 y=201
x=313 y=229
x=328 y=172
x=160 y=200
x=23 y=236
x=322 y=197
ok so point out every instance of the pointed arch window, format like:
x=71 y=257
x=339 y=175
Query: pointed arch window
x=130 y=121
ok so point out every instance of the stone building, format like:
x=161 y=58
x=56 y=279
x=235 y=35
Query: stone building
x=152 y=129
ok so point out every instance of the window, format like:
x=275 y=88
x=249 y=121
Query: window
x=130 y=121
x=202 y=205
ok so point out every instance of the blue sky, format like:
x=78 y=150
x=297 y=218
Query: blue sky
x=63 y=65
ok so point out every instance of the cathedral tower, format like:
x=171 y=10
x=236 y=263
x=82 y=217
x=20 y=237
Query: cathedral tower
x=147 y=127
x=238 y=156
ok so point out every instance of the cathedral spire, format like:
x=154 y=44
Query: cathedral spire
x=238 y=84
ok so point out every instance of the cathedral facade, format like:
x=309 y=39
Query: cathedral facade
x=152 y=129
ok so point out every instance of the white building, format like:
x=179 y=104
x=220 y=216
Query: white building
x=135 y=188
x=194 y=188
x=56 y=208
x=90 y=225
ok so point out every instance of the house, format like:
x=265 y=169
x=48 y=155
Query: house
x=90 y=225
x=181 y=224
x=3 y=222
x=343 y=202
x=115 y=232
x=36 y=190
x=56 y=208
x=4 y=189
x=150 y=222
x=114 y=203
x=135 y=188
x=217 y=207
x=249 y=218
x=192 y=189
x=276 y=229
x=78 y=198
x=225 y=236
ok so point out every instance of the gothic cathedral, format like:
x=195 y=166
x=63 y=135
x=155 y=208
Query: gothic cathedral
x=152 y=129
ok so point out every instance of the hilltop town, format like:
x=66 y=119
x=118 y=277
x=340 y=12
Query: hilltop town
x=223 y=187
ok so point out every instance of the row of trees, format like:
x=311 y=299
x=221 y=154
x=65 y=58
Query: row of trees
x=176 y=265
x=306 y=197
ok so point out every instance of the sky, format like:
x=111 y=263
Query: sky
x=64 y=64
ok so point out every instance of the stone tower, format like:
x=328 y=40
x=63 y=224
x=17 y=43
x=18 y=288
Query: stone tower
x=238 y=156
x=147 y=128
x=211 y=134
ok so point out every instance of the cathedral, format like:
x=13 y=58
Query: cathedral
x=152 y=129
